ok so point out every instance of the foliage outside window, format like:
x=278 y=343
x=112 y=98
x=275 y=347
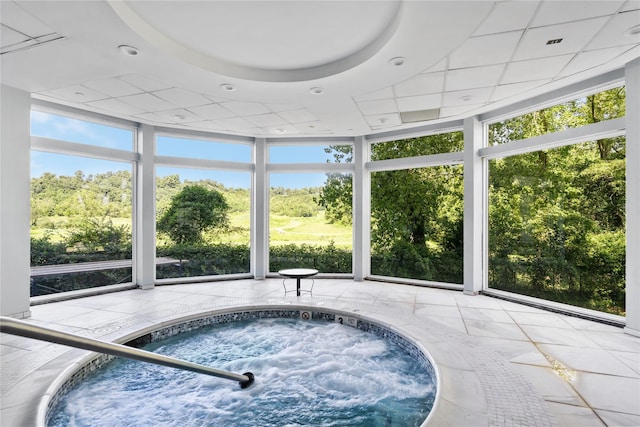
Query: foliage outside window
x=416 y=223
x=598 y=107
x=420 y=146
x=301 y=233
x=203 y=222
x=556 y=225
x=79 y=217
x=417 y=214
x=557 y=217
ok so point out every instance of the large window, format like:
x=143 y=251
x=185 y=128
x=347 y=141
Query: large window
x=417 y=212
x=557 y=216
x=203 y=211
x=304 y=228
x=203 y=222
x=81 y=206
x=416 y=224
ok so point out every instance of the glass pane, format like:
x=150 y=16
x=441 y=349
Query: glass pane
x=203 y=222
x=80 y=223
x=606 y=105
x=303 y=231
x=83 y=132
x=557 y=225
x=421 y=146
x=310 y=154
x=417 y=223
x=193 y=148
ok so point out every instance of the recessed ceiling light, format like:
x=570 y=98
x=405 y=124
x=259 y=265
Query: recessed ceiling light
x=316 y=90
x=633 y=31
x=228 y=87
x=80 y=94
x=280 y=130
x=382 y=120
x=397 y=61
x=465 y=98
x=128 y=50
x=179 y=117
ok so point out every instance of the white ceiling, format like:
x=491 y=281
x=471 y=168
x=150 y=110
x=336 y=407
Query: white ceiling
x=372 y=62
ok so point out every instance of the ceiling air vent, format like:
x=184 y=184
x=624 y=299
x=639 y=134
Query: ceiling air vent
x=554 y=41
x=419 y=115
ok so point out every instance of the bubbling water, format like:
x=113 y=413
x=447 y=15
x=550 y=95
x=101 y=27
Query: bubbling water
x=307 y=373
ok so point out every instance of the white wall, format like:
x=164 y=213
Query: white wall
x=632 y=77
x=15 y=107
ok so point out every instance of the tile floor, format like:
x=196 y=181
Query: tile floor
x=500 y=363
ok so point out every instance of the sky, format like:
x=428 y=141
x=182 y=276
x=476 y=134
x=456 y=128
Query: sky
x=68 y=129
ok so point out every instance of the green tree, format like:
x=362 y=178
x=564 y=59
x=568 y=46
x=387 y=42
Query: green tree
x=193 y=211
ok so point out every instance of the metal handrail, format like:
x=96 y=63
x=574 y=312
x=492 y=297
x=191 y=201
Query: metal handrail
x=21 y=328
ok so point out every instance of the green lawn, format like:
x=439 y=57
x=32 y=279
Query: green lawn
x=283 y=230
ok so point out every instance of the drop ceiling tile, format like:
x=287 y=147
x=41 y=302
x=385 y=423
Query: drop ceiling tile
x=383 y=120
x=235 y=123
x=592 y=58
x=10 y=37
x=507 y=16
x=147 y=102
x=263 y=120
x=615 y=32
x=151 y=118
x=206 y=125
x=440 y=66
x=115 y=106
x=574 y=37
x=535 y=69
x=145 y=83
x=385 y=93
x=217 y=99
x=467 y=97
x=179 y=115
x=113 y=87
x=212 y=112
x=182 y=98
x=485 y=50
x=555 y=12
x=77 y=93
x=297 y=116
x=281 y=130
x=312 y=127
x=467 y=78
x=246 y=108
x=378 y=107
x=16 y=17
x=508 y=90
x=459 y=109
x=276 y=108
x=421 y=102
x=421 y=84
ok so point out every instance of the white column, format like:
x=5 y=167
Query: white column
x=361 y=211
x=145 y=212
x=632 y=81
x=15 y=182
x=260 y=212
x=474 y=215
